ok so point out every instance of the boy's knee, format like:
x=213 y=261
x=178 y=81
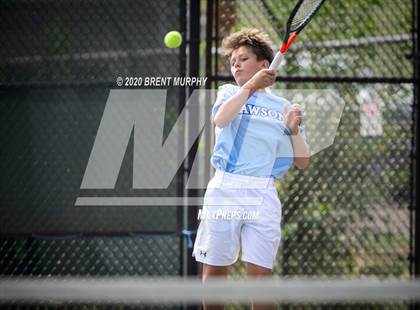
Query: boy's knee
x=210 y=271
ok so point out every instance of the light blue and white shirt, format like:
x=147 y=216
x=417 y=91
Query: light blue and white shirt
x=256 y=142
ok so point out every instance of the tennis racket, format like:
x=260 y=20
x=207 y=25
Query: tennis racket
x=301 y=15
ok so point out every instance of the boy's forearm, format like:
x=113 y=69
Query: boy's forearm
x=232 y=106
x=300 y=150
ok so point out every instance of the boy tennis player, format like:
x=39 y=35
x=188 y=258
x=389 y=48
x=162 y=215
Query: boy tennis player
x=258 y=138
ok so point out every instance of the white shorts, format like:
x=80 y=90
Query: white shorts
x=239 y=212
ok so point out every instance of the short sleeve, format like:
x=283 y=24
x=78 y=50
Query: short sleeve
x=224 y=92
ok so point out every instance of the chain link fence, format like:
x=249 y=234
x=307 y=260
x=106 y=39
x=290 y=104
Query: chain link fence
x=347 y=39
x=58 y=62
x=349 y=212
x=95 y=42
x=91 y=256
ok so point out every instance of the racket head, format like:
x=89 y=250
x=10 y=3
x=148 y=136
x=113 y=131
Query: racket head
x=301 y=15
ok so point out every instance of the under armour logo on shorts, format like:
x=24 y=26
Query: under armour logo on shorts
x=203 y=253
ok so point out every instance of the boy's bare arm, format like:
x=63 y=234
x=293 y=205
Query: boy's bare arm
x=300 y=151
x=233 y=105
x=293 y=118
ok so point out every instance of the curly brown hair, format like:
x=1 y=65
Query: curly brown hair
x=259 y=42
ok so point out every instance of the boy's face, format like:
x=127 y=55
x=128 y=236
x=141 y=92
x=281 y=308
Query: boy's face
x=244 y=64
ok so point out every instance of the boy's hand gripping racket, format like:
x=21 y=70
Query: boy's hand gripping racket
x=300 y=17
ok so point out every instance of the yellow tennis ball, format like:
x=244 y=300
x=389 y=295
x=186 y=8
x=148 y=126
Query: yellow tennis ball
x=173 y=39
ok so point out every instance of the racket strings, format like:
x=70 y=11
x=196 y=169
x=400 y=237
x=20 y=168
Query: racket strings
x=304 y=12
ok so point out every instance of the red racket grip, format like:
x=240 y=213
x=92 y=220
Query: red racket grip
x=289 y=42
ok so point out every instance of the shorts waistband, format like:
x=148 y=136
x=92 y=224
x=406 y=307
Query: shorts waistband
x=233 y=180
